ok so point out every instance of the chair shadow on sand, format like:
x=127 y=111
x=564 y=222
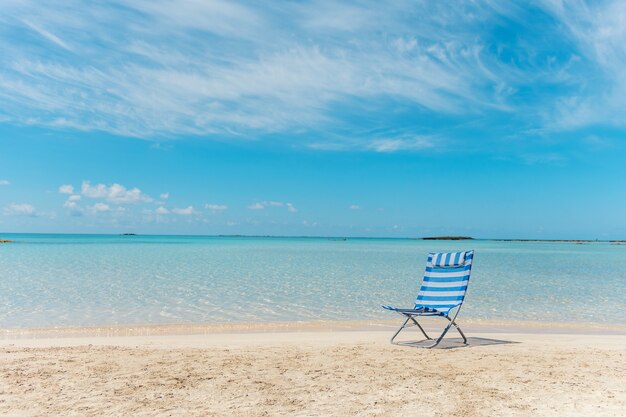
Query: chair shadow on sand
x=457 y=342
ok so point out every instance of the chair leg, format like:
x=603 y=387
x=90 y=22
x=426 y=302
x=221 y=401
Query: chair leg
x=452 y=323
x=421 y=328
x=436 y=341
x=404 y=325
x=458 y=328
x=399 y=330
x=440 y=338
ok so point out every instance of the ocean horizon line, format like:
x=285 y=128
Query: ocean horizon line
x=338 y=237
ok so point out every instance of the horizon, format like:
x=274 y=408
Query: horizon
x=426 y=238
x=314 y=119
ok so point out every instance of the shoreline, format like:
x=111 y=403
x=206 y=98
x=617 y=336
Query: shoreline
x=319 y=326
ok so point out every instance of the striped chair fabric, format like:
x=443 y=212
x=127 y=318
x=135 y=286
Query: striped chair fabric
x=445 y=281
x=442 y=260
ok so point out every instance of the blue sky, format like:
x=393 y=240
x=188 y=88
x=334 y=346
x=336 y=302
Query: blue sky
x=489 y=119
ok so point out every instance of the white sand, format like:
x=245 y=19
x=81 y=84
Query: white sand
x=313 y=373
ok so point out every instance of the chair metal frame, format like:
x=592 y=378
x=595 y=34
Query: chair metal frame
x=420 y=311
x=410 y=315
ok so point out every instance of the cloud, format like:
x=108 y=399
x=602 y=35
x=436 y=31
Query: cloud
x=71 y=202
x=330 y=75
x=355 y=207
x=547 y=158
x=260 y=205
x=216 y=207
x=400 y=144
x=66 y=189
x=5 y=182
x=188 y=211
x=162 y=210
x=47 y=35
x=100 y=207
x=597 y=31
x=164 y=196
x=116 y=193
x=256 y=206
x=23 y=209
x=91 y=210
x=397 y=141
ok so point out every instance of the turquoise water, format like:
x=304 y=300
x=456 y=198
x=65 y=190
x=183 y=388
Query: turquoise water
x=74 y=280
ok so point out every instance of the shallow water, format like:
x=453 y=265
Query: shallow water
x=82 y=280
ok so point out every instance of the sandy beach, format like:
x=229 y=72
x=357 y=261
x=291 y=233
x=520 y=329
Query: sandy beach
x=314 y=372
x=228 y=208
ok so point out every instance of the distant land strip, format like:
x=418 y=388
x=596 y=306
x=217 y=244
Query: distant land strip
x=448 y=238
x=578 y=241
x=548 y=240
x=345 y=238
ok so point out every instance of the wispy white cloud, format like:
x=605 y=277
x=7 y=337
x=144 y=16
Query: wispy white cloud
x=187 y=211
x=300 y=68
x=162 y=210
x=5 y=182
x=164 y=196
x=389 y=145
x=66 y=189
x=598 y=31
x=545 y=158
x=260 y=205
x=47 y=35
x=20 y=209
x=396 y=141
x=256 y=206
x=355 y=207
x=216 y=207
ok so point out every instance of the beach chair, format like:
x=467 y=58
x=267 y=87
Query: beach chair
x=442 y=292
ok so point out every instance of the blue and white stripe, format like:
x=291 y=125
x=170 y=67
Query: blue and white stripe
x=445 y=281
x=444 y=260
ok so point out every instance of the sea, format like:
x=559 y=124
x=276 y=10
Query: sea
x=51 y=280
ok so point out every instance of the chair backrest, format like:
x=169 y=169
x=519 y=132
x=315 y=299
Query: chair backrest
x=445 y=281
